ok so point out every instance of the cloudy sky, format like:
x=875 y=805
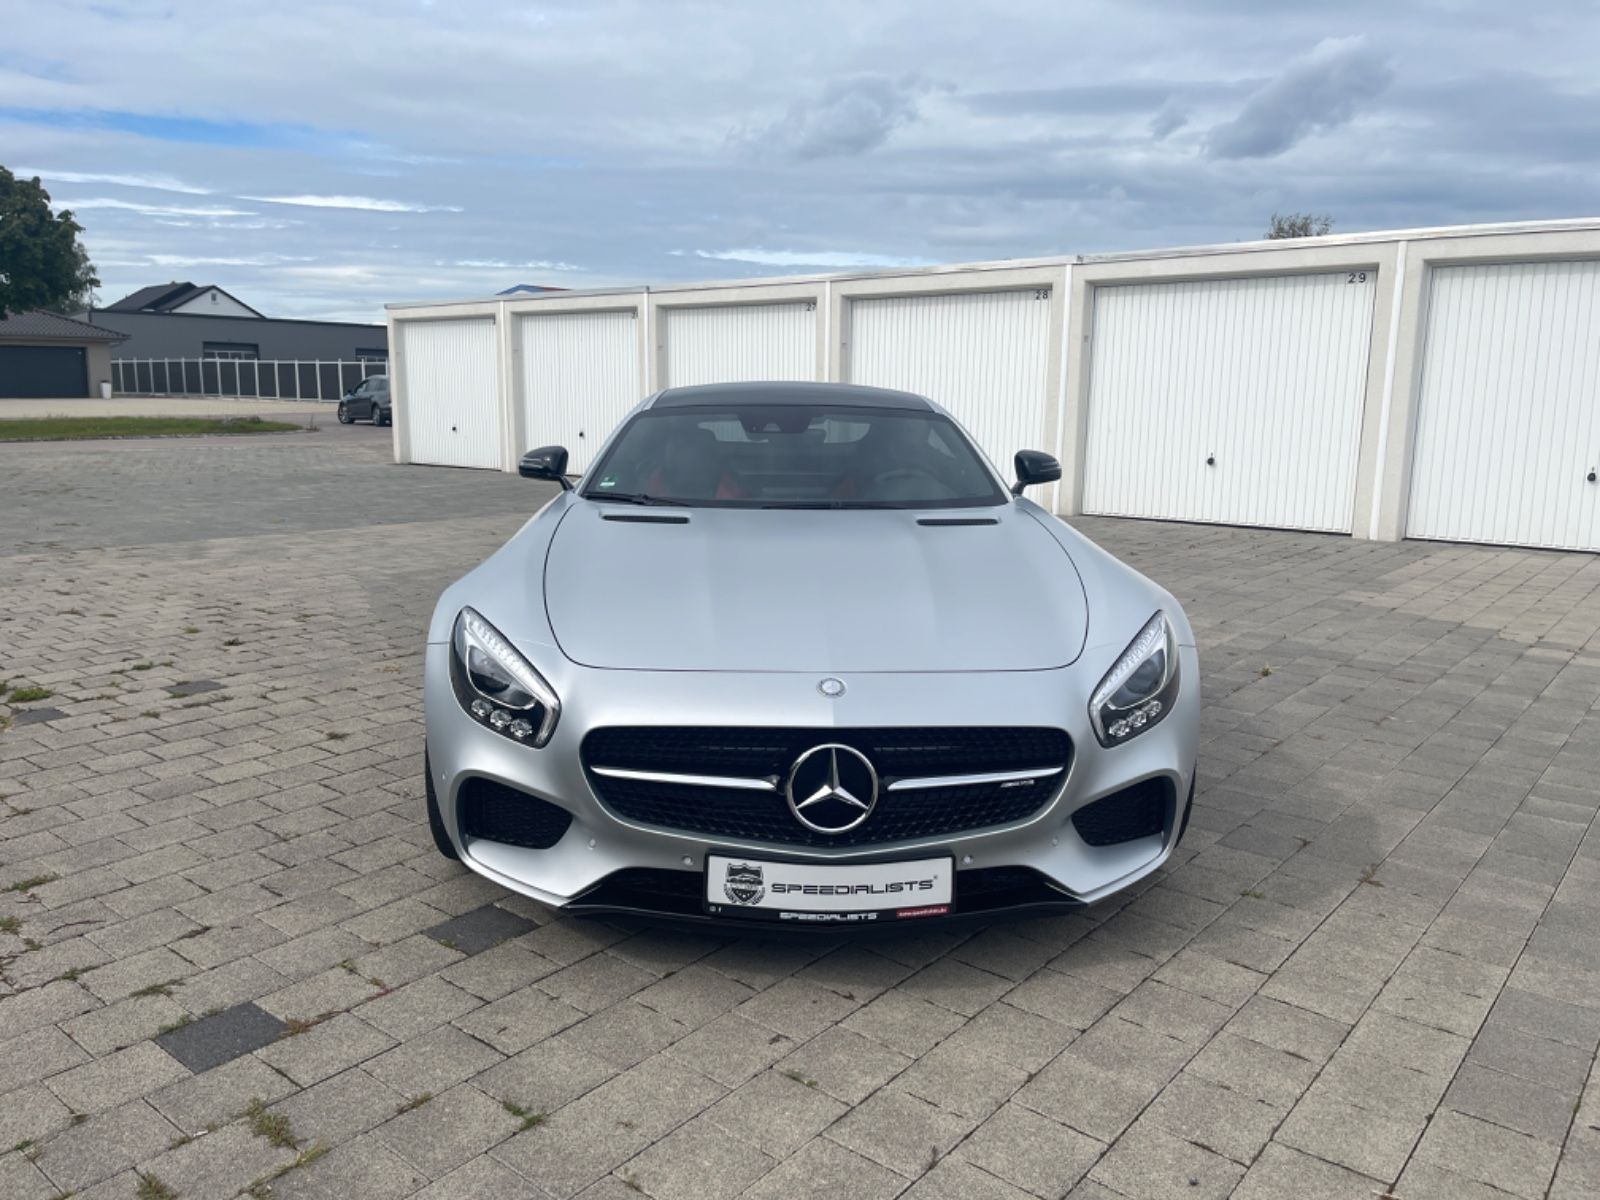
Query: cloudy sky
x=322 y=159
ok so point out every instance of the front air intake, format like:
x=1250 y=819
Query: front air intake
x=497 y=813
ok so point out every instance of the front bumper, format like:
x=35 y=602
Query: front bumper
x=1041 y=859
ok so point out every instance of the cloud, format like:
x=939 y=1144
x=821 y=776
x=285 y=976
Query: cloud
x=160 y=183
x=363 y=203
x=1168 y=121
x=156 y=210
x=496 y=264
x=1318 y=91
x=810 y=258
x=851 y=116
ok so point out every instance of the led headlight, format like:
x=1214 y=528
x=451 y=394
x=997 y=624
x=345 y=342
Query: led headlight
x=497 y=686
x=1140 y=688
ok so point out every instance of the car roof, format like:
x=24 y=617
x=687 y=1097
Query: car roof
x=781 y=394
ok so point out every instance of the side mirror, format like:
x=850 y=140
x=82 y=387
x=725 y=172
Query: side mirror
x=1034 y=466
x=548 y=463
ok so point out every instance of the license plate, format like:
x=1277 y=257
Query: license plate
x=807 y=892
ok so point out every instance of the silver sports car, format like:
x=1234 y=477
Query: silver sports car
x=794 y=653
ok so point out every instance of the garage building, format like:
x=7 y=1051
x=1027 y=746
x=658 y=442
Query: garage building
x=46 y=356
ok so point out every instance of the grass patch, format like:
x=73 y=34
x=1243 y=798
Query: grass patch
x=799 y=1078
x=150 y=1188
x=9 y=924
x=157 y=989
x=271 y=1126
x=186 y=1019
x=27 y=695
x=528 y=1118
x=150 y=712
x=28 y=884
x=67 y=429
x=1253 y=894
x=202 y=701
x=336 y=737
x=414 y=1102
x=233 y=641
x=191 y=629
x=1370 y=875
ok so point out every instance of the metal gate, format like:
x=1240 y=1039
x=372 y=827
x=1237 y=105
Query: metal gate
x=580 y=376
x=1508 y=414
x=451 y=404
x=734 y=343
x=982 y=355
x=1235 y=401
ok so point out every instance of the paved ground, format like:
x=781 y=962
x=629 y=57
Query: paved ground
x=1375 y=970
x=167 y=406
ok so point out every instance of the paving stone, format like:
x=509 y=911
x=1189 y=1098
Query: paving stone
x=1492 y=1154
x=117 y=1078
x=449 y=1130
x=480 y=929
x=822 y=1167
x=844 y=1064
x=1281 y=1172
x=697 y=1160
x=340 y=1108
x=104 y=1145
x=433 y=1062
x=1030 y=1151
x=1149 y=1162
x=900 y=1131
x=1367 y=1141
x=214 y=1040
x=218 y=1164
x=326 y=1049
x=362 y=1167
x=217 y=1096
x=776 y=1112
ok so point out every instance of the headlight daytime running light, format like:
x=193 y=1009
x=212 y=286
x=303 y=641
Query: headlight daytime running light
x=497 y=686
x=1141 y=686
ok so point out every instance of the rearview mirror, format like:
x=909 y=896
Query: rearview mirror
x=548 y=463
x=1034 y=466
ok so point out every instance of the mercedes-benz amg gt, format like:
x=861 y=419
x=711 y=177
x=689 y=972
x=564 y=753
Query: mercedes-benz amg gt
x=796 y=654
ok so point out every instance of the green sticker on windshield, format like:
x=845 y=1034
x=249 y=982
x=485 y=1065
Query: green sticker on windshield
x=609 y=481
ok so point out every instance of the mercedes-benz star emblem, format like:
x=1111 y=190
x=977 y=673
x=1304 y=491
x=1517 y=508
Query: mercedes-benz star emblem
x=832 y=788
x=831 y=688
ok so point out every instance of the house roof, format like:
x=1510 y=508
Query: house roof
x=164 y=297
x=37 y=325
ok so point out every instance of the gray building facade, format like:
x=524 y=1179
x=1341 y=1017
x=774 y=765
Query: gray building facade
x=185 y=335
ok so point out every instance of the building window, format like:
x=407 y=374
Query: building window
x=372 y=354
x=234 y=350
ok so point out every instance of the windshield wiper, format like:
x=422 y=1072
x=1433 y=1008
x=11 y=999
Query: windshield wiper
x=634 y=498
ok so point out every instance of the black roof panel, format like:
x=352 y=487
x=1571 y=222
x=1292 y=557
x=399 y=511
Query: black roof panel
x=780 y=394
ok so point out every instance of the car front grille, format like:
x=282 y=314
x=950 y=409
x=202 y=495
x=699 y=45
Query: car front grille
x=762 y=753
x=1124 y=816
x=498 y=813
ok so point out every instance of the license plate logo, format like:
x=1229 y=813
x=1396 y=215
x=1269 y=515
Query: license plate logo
x=743 y=883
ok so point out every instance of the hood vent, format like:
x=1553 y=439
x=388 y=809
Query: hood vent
x=645 y=519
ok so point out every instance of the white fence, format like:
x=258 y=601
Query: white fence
x=1305 y=384
x=267 y=379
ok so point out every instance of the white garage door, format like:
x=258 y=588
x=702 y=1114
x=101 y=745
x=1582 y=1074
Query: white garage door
x=1508 y=418
x=580 y=376
x=450 y=402
x=734 y=343
x=983 y=355
x=1236 y=401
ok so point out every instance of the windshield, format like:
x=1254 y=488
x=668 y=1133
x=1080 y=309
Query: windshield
x=806 y=456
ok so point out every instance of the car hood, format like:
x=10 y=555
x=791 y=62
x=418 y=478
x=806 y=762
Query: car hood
x=808 y=590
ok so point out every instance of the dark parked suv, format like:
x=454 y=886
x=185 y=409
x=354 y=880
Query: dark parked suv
x=367 y=401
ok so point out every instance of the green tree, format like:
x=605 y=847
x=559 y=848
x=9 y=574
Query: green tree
x=1299 y=225
x=42 y=263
